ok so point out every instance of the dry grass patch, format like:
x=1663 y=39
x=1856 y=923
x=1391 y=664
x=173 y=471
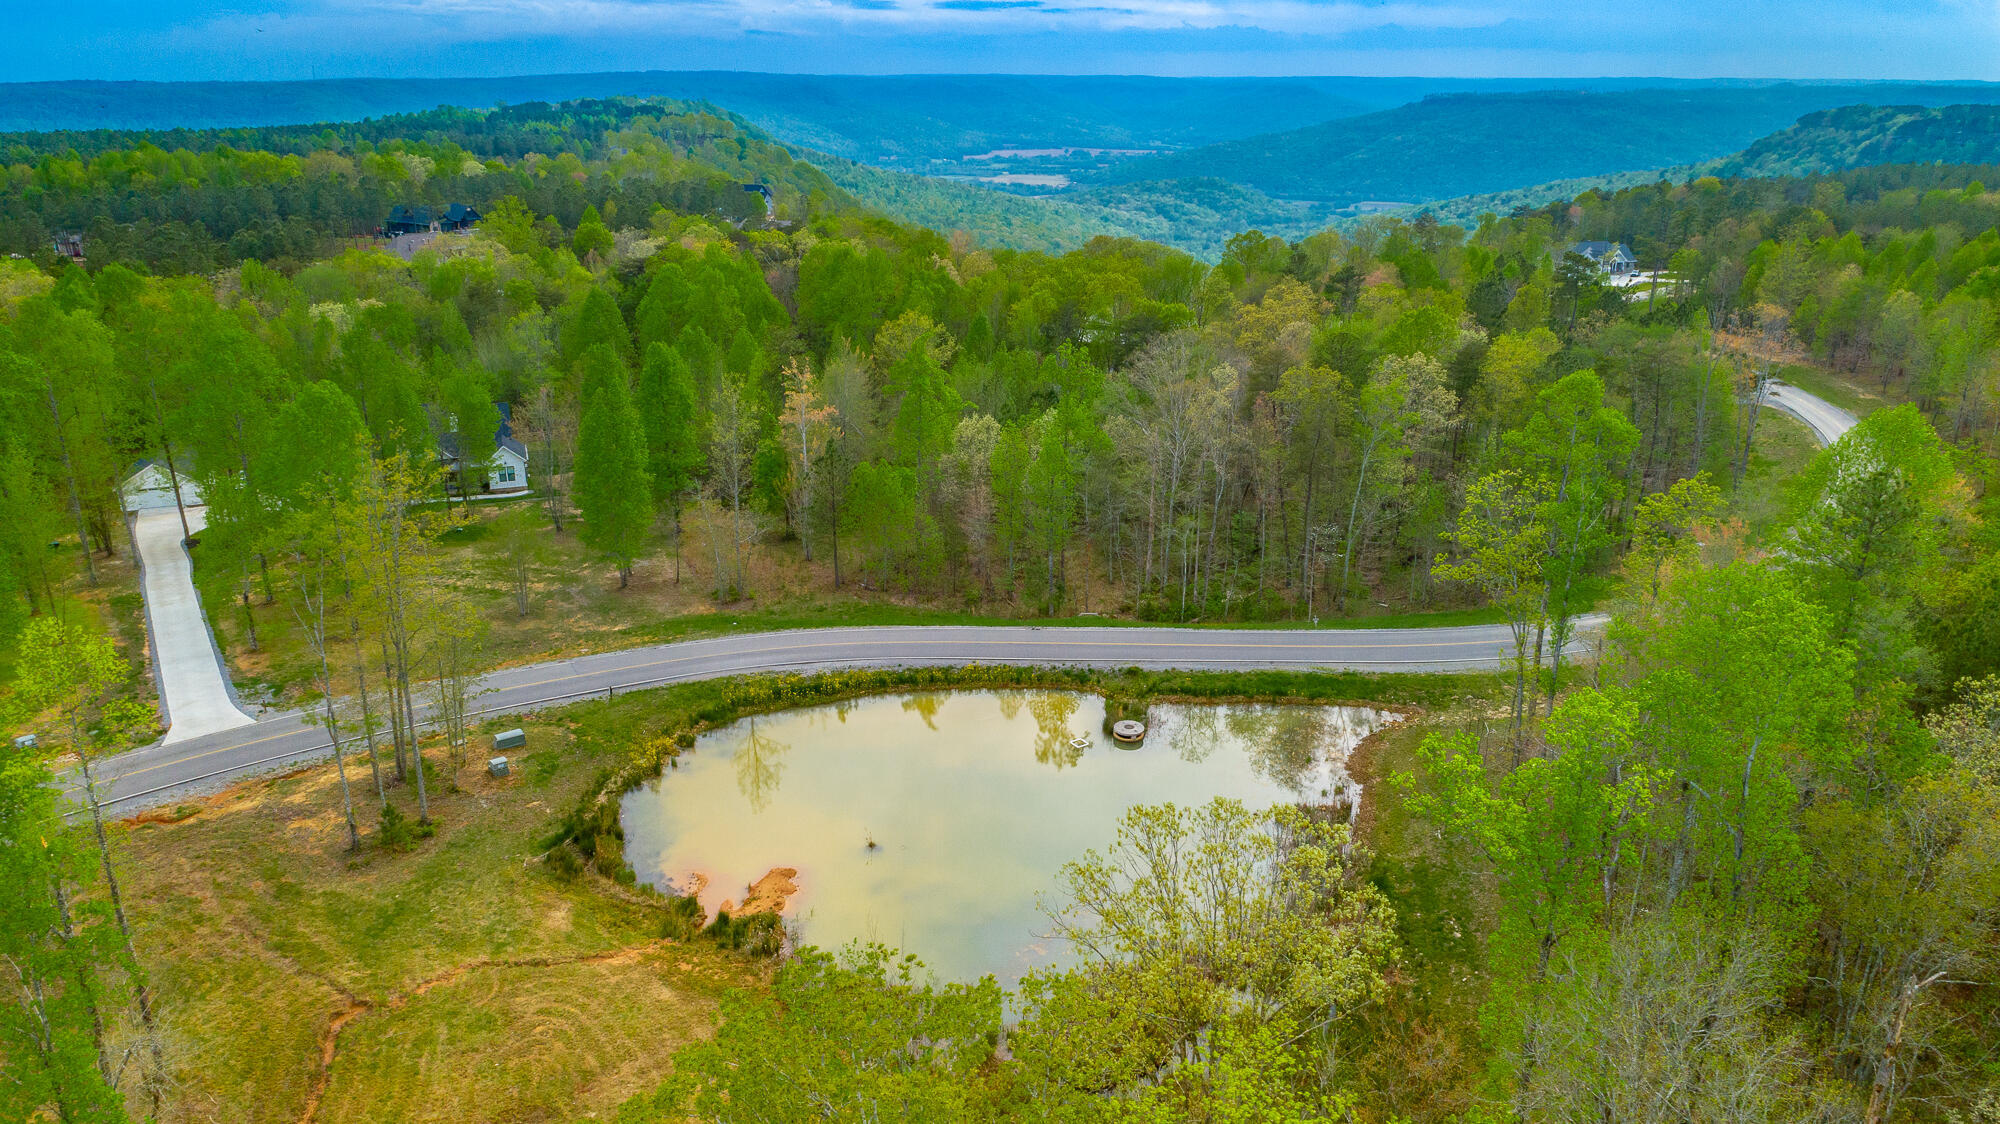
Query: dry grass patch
x=478 y=985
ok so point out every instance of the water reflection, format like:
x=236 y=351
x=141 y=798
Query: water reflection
x=925 y=704
x=974 y=798
x=1056 y=736
x=760 y=764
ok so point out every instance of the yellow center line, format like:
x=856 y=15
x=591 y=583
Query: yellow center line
x=1316 y=648
x=900 y=641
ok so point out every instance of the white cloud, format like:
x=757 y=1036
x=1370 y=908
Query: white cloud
x=477 y=20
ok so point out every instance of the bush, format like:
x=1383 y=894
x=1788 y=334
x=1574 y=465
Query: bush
x=399 y=832
x=683 y=920
x=564 y=861
x=759 y=934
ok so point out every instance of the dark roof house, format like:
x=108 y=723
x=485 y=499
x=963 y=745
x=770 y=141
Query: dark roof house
x=1611 y=257
x=407 y=220
x=419 y=220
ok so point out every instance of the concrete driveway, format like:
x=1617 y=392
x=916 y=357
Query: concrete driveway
x=194 y=693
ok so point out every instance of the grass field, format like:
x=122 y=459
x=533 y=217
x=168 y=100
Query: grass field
x=1780 y=450
x=471 y=984
x=1855 y=394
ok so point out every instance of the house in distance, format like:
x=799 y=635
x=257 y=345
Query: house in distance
x=422 y=220
x=1614 y=259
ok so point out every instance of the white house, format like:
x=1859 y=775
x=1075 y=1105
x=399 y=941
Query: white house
x=148 y=487
x=507 y=473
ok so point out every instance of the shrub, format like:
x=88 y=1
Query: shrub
x=759 y=934
x=564 y=861
x=399 y=832
x=683 y=919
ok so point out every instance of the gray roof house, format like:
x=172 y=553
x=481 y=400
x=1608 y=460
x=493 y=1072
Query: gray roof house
x=1614 y=258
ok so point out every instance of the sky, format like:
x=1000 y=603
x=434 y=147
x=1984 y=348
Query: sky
x=288 y=39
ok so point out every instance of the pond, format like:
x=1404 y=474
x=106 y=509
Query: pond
x=931 y=821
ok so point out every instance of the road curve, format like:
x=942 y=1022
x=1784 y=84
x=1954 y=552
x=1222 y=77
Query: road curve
x=160 y=774
x=1827 y=421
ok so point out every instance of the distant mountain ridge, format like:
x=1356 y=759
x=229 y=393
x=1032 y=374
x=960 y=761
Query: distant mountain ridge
x=895 y=118
x=1454 y=145
x=1820 y=143
x=1856 y=136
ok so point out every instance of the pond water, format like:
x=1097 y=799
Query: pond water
x=972 y=801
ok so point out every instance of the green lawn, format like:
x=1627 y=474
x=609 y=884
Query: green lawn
x=1856 y=395
x=1782 y=448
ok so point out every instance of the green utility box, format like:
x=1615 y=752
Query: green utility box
x=510 y=739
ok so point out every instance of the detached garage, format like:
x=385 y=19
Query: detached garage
x=148 y=488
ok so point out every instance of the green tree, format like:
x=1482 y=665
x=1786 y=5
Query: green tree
x=55 y=954
x=1498 y=546
x=613 y=489
x=470 y=412
x=1579 y=448
x=1404 y=397
x=858 y=1036
x=71 y=674
x=669 y=407
x=595 y=320
x=1870 y=515
x=593 y=240
x=1663 y=529
x=1208 y=922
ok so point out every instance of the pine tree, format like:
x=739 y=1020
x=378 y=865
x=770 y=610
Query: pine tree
x=669 y=410
x=613 y=489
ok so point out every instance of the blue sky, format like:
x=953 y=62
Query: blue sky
x=279 y=39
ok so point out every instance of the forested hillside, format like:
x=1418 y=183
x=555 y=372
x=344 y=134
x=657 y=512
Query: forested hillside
x=1466 y=144
x=1857 y=136
x=1742 y=865
x=860 y=117
x=195 y=200
x=1197 y=217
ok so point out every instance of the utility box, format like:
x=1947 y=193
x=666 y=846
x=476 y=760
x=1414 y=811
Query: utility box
x=497 y=766
x=25 y=741
x=510 y=739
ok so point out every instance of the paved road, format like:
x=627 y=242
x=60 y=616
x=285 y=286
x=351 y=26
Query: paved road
x=193 y=693
x=1826 y=420
x=159 y=774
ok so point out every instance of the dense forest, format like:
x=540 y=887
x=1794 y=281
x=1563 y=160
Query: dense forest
x=1741 y=867
x=192 y=201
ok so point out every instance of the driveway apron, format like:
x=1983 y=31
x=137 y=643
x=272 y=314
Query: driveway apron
x=193 y=690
